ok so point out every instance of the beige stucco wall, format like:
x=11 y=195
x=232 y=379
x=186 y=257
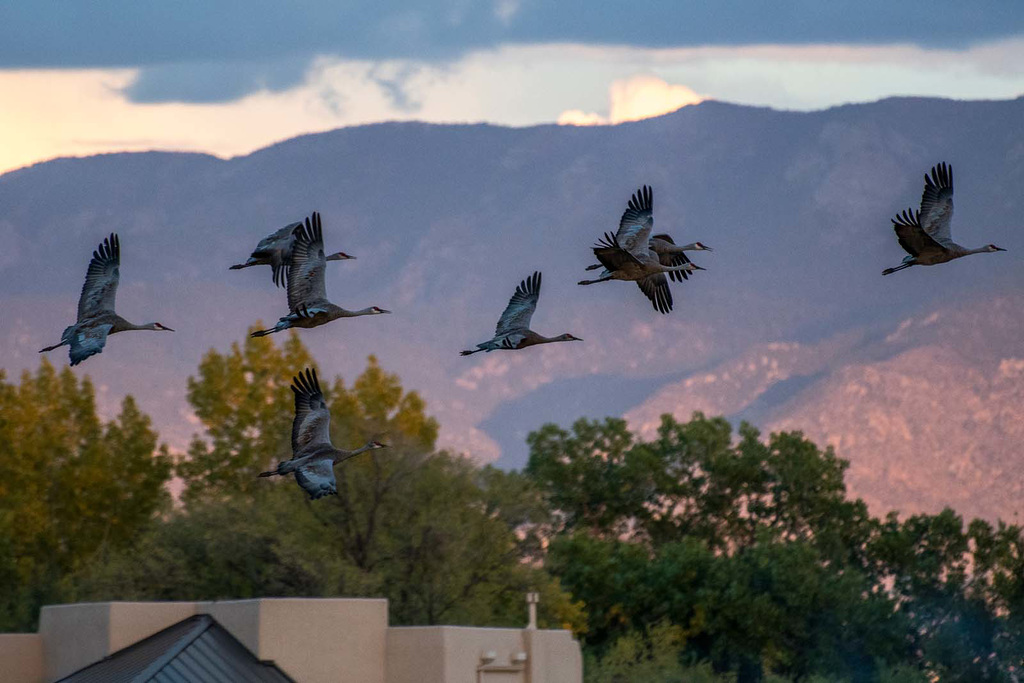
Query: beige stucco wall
x=555 y=657
x=130 y=622
x=452 y=654
x=75 y=636
x=338 y=640
x=314 y=640
x=21 y=658
x=415 y=654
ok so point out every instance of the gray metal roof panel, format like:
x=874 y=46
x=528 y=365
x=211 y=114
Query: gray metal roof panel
x=195 y=650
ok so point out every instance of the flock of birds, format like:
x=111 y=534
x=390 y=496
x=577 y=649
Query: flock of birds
x=297 y=258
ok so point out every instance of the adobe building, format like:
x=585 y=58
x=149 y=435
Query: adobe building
x=276 y=640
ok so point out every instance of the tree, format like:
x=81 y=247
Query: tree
x=752 y=549
x=243 y=401
x=692 y=481
x=70 y=485
x=443 y=539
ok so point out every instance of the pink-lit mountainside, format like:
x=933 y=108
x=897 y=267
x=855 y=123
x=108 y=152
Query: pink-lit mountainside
x=916 y=378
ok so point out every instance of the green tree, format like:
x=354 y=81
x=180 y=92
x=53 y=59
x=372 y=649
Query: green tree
x=693 y=481
x=70 y=485
x=241 y=398
x=443 y=539
x=749 y=546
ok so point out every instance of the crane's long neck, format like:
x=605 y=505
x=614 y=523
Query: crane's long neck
x=123 y=325
x=664 y=247
x=979 y=250
x=345 y=455
x=353 y=314
x=675 y=269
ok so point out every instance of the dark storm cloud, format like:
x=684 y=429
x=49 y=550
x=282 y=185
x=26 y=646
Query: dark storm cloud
x=214 y=50
x=207 y=82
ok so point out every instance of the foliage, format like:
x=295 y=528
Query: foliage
x=700 y=555
x=442 y=539
x=647 y=657
x=239 y=399
x=70 y=485
x=753 y=551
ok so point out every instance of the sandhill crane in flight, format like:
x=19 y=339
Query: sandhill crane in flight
x=628 y=254
x=925 y=234
x=307 y=293
x=313 y=455
x=513 y=331
x=669 y=254
x=96 y=317
x=275 y=250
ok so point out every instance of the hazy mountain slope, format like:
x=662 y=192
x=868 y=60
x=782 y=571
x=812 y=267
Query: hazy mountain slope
x=445 y=220
x=930 y=414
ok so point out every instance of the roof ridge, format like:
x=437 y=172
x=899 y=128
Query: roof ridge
x=203 y=622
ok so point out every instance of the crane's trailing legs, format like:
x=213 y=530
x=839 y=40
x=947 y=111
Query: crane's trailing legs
x=594 y=282
x=890 y=271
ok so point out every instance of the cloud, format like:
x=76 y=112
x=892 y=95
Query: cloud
x=578 y=117
x=633 y=99
x=64 y=112
x=160 y=35
x=210 y=82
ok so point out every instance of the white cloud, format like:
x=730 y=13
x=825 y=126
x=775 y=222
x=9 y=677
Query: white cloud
x=49 y=113
x=633 y=99
x=578 y=117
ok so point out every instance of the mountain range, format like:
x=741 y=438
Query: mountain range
x=917 y=378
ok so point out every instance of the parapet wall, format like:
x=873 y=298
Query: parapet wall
x=332 y=640
x=463 y=654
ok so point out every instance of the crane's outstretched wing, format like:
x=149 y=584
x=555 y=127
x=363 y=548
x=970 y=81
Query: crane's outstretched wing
x=520 y=307
x=937 y=204
x=282 y=237
x=914 y=240
x=611 y=254
x=101 y=280
x=655 y=288
x=672 y=259
x=306 y=271
x=317 y=478
x=637 y=222
x=278 y=248
x=88 y=342
x=312 y=424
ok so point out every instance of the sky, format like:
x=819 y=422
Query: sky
x=227 y=77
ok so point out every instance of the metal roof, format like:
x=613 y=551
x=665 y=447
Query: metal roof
x=197 y=649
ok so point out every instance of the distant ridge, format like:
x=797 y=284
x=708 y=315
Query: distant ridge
x=446 y=218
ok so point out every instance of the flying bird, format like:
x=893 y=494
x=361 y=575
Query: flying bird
x=313 y=455
x=275 y=250
x=628 y=254
x=96 y=316
x=669 y=254
x=513 y=331
x=307 y=293
x=925 y=234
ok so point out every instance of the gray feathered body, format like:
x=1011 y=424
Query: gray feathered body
x=96 y=318
x=926 y=234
